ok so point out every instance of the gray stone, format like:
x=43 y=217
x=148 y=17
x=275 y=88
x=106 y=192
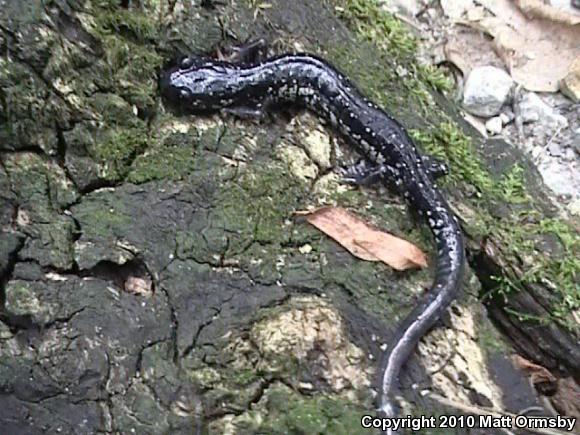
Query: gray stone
x=555 y=150
x=487 y=89
x=533 y=109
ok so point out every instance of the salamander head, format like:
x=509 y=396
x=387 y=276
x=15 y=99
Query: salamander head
x=196 y=85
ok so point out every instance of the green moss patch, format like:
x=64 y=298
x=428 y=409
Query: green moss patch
x=282 y=410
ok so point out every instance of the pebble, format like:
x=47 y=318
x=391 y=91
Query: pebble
x=556 y=150
x=494 y=125
x=574 y=207
x=507 y=116
x=487 y=89
x=409 y=8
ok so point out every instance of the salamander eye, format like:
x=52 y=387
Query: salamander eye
x=186 y=62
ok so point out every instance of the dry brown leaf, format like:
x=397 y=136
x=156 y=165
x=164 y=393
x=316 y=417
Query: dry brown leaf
x=364 y=241
x=467 y=48
x=570 y=85
x=539 y=9
x=564 y=392
x=537 y=52
x=139 y=286
x=538 y=374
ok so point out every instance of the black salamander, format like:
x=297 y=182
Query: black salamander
x=201 y=85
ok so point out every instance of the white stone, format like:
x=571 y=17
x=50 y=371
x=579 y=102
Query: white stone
x=494 y=125
x=574 y=207
x=409 y=8
x=487 y=89
x=561 y=178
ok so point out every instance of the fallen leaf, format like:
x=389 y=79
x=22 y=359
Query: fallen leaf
x=538 y=52
x=564 y=393
x=139 y=286
x=570 y=85
x=364 y=241
x=539 y=375
x=467 y=48
x=539 y=9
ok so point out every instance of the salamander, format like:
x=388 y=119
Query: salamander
x=202 y=85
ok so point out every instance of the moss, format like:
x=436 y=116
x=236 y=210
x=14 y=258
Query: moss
x=172 y=158
x=491 y=341
x=22 y=299
x=136 y=24
x=435 y=77
x=385 y=31
x=103 y=216
x=513 y=187
x=559 y=271
x=245 y=376
x=131 y=60
x=449 y=143
x=118 y=149
x=289 y=412
x=367 y=79
x=253 y=221
x=205 y=377
x=43 y=192
x=28 y=111
x=261 y=201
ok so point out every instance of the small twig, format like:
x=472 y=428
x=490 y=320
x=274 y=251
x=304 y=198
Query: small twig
x=553 y=136
x=482 y=411
x=408 y=21
x=530 y=409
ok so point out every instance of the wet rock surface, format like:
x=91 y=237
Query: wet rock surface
x=154 y=277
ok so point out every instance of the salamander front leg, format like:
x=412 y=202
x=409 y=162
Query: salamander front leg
x=255 y=112
x=361 y=173
x=364 y=173
x=245 y=113
x=437 y=168
x=253 y=51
